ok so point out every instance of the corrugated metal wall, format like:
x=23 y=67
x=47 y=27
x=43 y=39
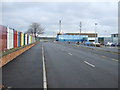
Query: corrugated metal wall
x=19 y=39
x=3 y=38
x=10 y=38
x=30 y=39
x=26 y=39
x=15 y=39
x=22 y=39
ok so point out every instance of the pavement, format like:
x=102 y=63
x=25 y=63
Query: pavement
x=25 y=71
x=107 y=48
x=78 y=67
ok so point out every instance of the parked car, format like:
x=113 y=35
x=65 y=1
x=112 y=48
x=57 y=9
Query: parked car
x=97 y=44
x=113 y=45
x=88 y=43
x=118 y=45
x=108 y=44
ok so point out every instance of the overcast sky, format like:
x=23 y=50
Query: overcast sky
x=19 y=15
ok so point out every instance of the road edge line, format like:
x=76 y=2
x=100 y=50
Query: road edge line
x=44 y=71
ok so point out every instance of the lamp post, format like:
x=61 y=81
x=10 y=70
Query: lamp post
x=95 y=33
x=60 y=26
x=80 y=31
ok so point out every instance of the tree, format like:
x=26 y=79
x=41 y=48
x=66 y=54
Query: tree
x=35 y=29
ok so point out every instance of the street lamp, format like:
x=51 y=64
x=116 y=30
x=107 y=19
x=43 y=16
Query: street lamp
x=59 y=26
x=95 y=33
x=80 y=31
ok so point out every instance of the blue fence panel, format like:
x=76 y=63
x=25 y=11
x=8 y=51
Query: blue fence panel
x=19 y=39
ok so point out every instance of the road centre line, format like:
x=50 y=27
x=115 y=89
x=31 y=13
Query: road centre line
x=104 y=56
x=89 y=64
x=44 y=71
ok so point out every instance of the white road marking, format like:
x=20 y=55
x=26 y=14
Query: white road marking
x=70 y=54
x=89 y=64
x=114 y=59
x=104 y=56
x=44 y=71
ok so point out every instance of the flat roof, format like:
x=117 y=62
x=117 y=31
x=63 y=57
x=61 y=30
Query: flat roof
x=89 y=34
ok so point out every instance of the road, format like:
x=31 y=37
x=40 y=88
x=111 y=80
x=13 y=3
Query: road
x=66 y=66
x=78 y=67
x=25 y=71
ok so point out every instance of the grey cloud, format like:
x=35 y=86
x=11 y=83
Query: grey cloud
x=21 y=15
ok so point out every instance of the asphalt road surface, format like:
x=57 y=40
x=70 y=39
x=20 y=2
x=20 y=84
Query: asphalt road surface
x=67 y=66
x=77 y=67
x=25 y=71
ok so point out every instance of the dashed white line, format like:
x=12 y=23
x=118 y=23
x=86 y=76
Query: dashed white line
x=44 y=71
x=70 y=54
x=114 y=59
x=89 y=64
x=104 y=56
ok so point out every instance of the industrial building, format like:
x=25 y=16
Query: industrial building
x=92 y=37
x=114 y=38
x=47 y=38
x=105 y=40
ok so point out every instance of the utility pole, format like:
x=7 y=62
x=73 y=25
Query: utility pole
x=80 y=26
x=59 y=26
x=35 y=32
x=95 y=33
x=80 y=31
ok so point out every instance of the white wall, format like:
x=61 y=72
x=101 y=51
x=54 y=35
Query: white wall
x=10 y=38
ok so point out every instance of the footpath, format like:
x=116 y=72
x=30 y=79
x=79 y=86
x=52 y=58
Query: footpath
x=103 y=48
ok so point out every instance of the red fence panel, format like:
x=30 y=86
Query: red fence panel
x=3 y=38
x=15 y=39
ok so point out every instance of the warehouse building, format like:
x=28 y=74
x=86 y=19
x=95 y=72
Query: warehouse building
x=114 y=38
x=104 y=40
x=92 y=37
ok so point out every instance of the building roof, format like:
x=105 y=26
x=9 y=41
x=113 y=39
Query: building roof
x=89 y=34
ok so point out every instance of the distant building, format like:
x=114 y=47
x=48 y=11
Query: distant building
x=104 y=40
x=47 y=38
x=114 y=38
x=77 y=37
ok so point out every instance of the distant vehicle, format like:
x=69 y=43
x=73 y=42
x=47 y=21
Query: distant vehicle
x=118 y=45
x=97 y=44
x=88 y=43
x=113 y=45
x=109 y=44
x=92 y=44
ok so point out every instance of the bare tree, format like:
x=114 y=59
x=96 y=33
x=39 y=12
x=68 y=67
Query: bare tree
x=35 y=29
